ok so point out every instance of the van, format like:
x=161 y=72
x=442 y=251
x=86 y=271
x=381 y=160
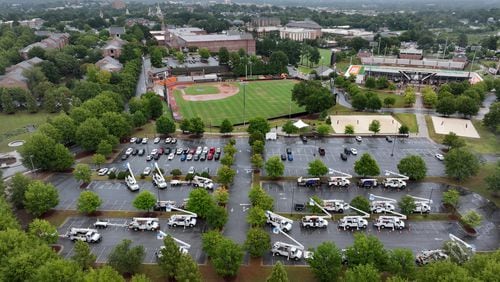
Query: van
x=343 y=156
x=367 y=183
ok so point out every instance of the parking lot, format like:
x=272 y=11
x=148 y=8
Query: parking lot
x=287 y=194
x=379 y=148
x=113 y=235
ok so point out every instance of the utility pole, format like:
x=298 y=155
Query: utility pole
x=244 y=100
x=475 y=48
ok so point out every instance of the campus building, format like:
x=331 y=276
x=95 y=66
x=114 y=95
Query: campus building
x=53 y=41
x=14 y=77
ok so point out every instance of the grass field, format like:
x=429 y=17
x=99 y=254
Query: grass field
x=268 y=99
x=409 y=120
x=12 y=127
x=199 y=89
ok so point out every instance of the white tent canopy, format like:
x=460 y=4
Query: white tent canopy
x=300 y=124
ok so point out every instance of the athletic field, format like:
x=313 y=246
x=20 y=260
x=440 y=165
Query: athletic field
x=199 y=89
x=268 y=99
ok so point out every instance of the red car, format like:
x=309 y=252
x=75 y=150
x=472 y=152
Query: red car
x=210 y=156
x=161 y=151
x=212 y=150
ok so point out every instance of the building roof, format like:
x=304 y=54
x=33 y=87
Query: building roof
x=411 y=50
x=323 y=70
x=108 y=63
x=304 y=24
x=216 y=37
x=116 y=30
x=114 y=44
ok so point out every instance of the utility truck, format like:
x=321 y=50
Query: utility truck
x=279 y=221
x=183 y=246
x=455 y=247
x=84 y=234
x=188 y=219
x=203 y=182
x=334 y=205
x=397 y=182
x=422 y=205
x=290 y=251
x=144 y=223
x=339 y=181
x=309 y=182
x=390 y=221
x=354 y=221
x=316 y=221
x=162 y=205
x=158 y=179
x=383 y=205
x=130 y=180
x=427 y=256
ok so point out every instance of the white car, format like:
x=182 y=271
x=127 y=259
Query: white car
x=359 y=139
x=129 y=151
x=171 y=156
x=145 y=140
x=191 y=170
x=218 y=150
x=198 y=150
x=439 y=157
x=154 y=151
x=168 y=140
x=133 y=139
x=157 y=140
x=147 y=171
x=354 y=151
x=189 y=157
x=205 y=150
x=102 y=171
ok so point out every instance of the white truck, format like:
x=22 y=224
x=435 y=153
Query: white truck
x=203 y=182
x=422 y=205
x=158 y=179
x=183 y=248
x=144 y=223
x=339 y=181
x=427 y=256
x=188 y=219
x=130 y=180
x=456 y=248
x=334 y=205
x=398 y=182
x=162 y=205
x=84 y=234
x=309 y=182
x=390 y=221
x=315 y=221
x=279 y=221
x=354 y=221
x=290 y=251
x=383 y=205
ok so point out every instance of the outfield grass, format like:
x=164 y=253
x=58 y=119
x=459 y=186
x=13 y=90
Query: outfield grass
x=199 y=89
x=12 y=127
x=409 y=120
x=268 y=99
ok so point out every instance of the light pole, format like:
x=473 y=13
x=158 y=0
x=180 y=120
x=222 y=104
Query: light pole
x=244 y=100
x=293 y=195
x=394 y=141
x=475 y=48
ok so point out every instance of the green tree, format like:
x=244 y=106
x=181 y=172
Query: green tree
x=446 y=106
x=42 y=229
x=104 y=148
x=493 y=180
x=278 y=274
x=366 y=165
x=413 y=166
x=18 y=185
x=274 y=167
x=407 y=205
x=216 y=216
x=227 y=258
x=359 y=101
x=451 y=197
x=90 y=133
x=374 y=103
x=40 y=198
x=7 y=220
x=256 y=217
x=225 y=175
x=210 y=240
x=7 y=103
x=461 y=164
x=204 y=53
x=484 y=267
x=258 y=147
x=139 y=119
x=349 y=129
x=289 y=128
x=492 y=118
x=402 y=262
x=389 y=101
x=467 y=105
x=229 y=149
x=140 y=278
x=221 y=196
x=58 y=270
x=199 y=202
x=313 y=96
x=278 y=62
x=125 y=258
x=409 y=96
x=83 y=255
x=156 y=57
x=227 y=160
x=82 y=173
x=472 y=218
x=429 y=97
x=185 y=125
x=169 y=259
x=403 y=129
x=256 y=136
x=258 y=242
x=326 y=263
x=88 y=202
x=98 y=160
x=50 y=131
x=66 y=126
x=144 y=201
x=258 y=124
x=367 y=250
x=444 y=271
x=452 y=140
x=257 y=161
x=187 y=269
x=223 y=56
x=42 y=152
x=370 y=82
x=374 y=126
x=226 y=126
x=116 y=124
x=362 y=273
x=164 y=125
x=197 y=126
x=323 y=129
x=259 y=198
x=317 y=168
x=361 y=203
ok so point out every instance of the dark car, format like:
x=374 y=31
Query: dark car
x=321 y=151
x=290 y=157
x=192 y=151
x=183 y=157
x=186 y=151
x=343 y=156
x=347 y=151
x=203 y=157
x=156 y=156
x=141 y=152
x=283 y=157
x=288 y=151
x=138 y=141
x=389 y=139
x=217 y=156
x=303 y=138
x=161 y=151
x=197 y=157
x=124 y=157
x=167 y=151
x=134 y=152
x=300 y=207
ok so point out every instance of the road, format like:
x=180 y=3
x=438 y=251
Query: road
x=141 y=83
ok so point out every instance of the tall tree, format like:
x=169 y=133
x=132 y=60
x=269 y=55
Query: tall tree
x=225 y=175
x=407 y=205
x=317 y=168
x=126 y=259
x=223 y=55
x=116 y=124
x=444 y=271
x=374 y=126
x=274 y=167
x=197 y=126
x=326 y=263
x=289 y=128
x=258 y=242
x=42 y=152
x=451 y=197
x=413 y=166
x=40 y=197
x=144 y=201
x=226 y=126
x=278 y=274
x=313 y=96
x=43 y=230
x=402 y=262
x=83 y=255
x=461 y=164
x=363 y=272
x=227 y=258
x=216 y=216
x=18 y=185
x=366 y=165
x=256 y=217
x=361 y=203
x=259 y=124
x=58 y=270
x=452 y=140
x=90 y=133
x=199 y=202
x=164 y=125
x=169 y=259
x=367 y=250
x=349 y=129
x=82 y=173
x=187 y=269
x=446 y=106
x=88 y=202
x=66 y=126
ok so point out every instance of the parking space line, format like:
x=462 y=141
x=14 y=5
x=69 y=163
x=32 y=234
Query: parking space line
x=100 y=254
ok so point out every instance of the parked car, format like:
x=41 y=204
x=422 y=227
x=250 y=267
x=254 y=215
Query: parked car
x=161 y=151
x=343 y=156
x=205 y=150
x=129 y=151
x=154 y=151
x=203 y=156
x=210 y=156
x=167 y=151
x=173 y=141
x=185 y=151
x=197 y=157
x=283 y=157
x=138 y=141
x=124 y=157
x=300 y=207
x=217 y=156
x=389 y=139
x=359 y=139
x=141 y=152
x=168 y=140
x=171 y=156
x=354 y=151
x=134 y=152
x=149 y=158
x=212 y=150
x=192 y=151
x=439 y=157
x=290 y=157
x=321 y=151
x=183 y=157
x=133 y=139
x=347 y=151
x=157 y=140
x=218 y=150
x=288 y=151
x=189 y=157
x=303 y=138
x=199 y=150
x=156 y=156
x=191 y=170
x=178 y=151
x=146 y=171
x=144 y=140
x=102 y=171
x=111 y=170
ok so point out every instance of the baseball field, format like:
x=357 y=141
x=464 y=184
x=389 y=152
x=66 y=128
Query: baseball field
x=268 y=99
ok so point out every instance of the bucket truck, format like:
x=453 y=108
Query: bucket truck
x=354 y=221
x=84 y=234
x=456 y=249
x=183 y=248
x=203 y=182
x=316 y=221
x=390 y=221
x=130 y=180
x=339 y=181
x=427 y=256
x=162 y=205
x=398 y=182
x=188 y=219
x=308 y=182
x=144 y=223
x=335 y=205
x=158 y=179
x=290 y=251
x=279 y=221
x=382 y=206
x=423 y=205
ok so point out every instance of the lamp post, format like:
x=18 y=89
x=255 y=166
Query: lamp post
x=475 y=48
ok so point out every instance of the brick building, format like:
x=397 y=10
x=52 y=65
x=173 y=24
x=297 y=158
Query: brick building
x=14 y=77
x=53 y=41
x=411 y=54
x=113 y=48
